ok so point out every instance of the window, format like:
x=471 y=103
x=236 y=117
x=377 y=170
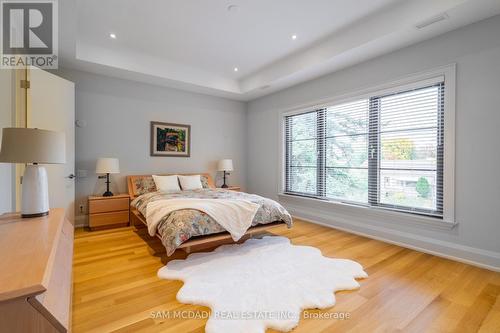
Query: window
x=384 y=151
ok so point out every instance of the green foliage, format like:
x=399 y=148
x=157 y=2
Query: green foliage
x=398 y=149
x=341 y=151
x=399 y=197
x=351 y=186
x=423 y=188
x=182 y=135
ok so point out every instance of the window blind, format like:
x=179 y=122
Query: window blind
x=383 y=151
x=410 y=142
x=302 y=156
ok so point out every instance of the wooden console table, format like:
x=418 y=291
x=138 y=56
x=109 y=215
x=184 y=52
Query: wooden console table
x=36 y=275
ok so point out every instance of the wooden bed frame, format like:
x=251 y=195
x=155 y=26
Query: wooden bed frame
x=199 y=242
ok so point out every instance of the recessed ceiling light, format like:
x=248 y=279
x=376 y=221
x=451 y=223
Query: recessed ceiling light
x=235 y=69
x=294 y=37
x=112 y=35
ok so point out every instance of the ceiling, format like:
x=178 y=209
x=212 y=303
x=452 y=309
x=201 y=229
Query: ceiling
x=196 y=44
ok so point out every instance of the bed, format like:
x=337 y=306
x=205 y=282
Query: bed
x=190 y=230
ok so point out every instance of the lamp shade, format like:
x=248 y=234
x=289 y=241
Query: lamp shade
x=225 y=165
x=32 y=145
x=107 y=165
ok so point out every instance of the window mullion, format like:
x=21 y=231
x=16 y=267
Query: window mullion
x=321 y=151
x=288 y=153
x=373 y=152
x=440 y=150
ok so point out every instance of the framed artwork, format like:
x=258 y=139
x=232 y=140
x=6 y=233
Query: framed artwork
x=170 y=139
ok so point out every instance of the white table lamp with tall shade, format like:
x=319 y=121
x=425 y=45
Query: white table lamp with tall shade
x=225 y=166
x=107 y=165
x=35 y=146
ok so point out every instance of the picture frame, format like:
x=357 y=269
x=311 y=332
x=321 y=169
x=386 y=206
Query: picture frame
x=170 y=140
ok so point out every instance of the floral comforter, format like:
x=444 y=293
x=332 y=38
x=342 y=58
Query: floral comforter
x=179 y=226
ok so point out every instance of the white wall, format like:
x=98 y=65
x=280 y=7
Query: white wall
x=118 y=114
x=476 y=51
x=6 y=120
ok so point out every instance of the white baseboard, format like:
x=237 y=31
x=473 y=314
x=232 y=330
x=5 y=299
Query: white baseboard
x=477 y=257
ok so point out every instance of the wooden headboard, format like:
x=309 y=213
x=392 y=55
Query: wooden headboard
x=132 y=180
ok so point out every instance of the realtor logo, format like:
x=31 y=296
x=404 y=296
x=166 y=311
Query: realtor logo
x=29 y=34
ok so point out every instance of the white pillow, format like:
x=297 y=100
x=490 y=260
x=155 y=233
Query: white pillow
x=167 y=183
x=190 y=182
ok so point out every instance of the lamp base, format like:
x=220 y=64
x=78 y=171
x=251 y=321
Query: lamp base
x=35 y=192
x=224 y=185
x=107 y=194
x=29 y=216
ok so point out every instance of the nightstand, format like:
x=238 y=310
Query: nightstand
x=233 y=188
x=109 y=212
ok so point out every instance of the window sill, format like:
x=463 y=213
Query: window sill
x=412 y=220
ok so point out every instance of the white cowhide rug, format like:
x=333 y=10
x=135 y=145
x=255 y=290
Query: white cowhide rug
x=262 y=283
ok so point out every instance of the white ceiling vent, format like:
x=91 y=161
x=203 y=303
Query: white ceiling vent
x=432 y=20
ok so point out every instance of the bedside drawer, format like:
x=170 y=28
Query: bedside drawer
x=106 y=219
x=108 y=205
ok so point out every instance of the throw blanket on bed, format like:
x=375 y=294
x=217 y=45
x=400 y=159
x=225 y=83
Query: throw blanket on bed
x=179 y=226
x=235 y=216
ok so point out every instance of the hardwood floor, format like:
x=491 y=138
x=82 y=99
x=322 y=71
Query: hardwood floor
x=116 y=288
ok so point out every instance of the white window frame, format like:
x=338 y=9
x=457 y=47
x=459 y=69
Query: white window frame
x=446 y=73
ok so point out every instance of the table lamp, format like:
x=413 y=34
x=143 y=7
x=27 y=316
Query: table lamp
x=225 y=166
x=36 y=146
x=107 y=165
